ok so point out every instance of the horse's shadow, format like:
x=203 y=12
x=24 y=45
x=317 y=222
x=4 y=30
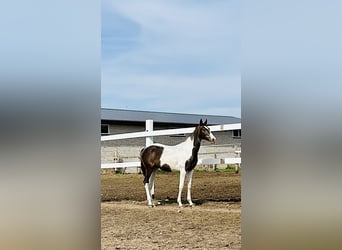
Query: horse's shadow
x=170 y=201
x=197 y=202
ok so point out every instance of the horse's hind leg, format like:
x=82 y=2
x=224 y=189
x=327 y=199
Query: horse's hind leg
x=148 y=173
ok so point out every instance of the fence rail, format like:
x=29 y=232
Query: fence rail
x=150 y=133
x=176 y=131
x=211 y=161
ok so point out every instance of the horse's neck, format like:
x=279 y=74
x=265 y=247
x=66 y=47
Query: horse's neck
x=195 y=144
x=191 y=162
x=187 y=145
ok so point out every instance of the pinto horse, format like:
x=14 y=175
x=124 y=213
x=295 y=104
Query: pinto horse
x=182 y=157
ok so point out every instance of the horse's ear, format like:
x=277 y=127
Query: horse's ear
x=201 y=122
x=205 y=123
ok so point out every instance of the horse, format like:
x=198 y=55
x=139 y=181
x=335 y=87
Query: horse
x=182 y=157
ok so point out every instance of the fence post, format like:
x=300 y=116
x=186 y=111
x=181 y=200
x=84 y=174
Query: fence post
x=149 y=128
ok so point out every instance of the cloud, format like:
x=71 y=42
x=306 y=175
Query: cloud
x=182 y=49
x=170 y=31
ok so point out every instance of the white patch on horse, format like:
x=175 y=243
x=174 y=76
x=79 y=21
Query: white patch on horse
x=177 y=155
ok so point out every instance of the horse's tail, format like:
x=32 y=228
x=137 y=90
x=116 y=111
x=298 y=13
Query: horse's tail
x=141 y=152
x=142 y=165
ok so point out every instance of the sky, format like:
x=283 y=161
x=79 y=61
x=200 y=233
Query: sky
x=171 y=56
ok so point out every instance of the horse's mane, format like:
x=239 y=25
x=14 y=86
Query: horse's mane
x=195 y=134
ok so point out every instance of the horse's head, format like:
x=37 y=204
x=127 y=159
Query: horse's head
x=204 y=133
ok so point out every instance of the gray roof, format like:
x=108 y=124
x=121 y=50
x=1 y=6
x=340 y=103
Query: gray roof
x=163 y=117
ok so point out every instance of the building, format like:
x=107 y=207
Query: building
x=117 y=121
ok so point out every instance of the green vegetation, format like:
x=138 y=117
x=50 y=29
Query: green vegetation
x=229 y=168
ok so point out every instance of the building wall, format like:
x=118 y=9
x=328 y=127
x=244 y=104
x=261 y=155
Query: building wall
x=128 y=149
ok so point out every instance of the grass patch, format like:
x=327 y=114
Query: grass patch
x=229 y=168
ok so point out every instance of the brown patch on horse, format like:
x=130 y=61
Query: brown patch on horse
x=191 y=163
x=150 y=160
x=151 y=155
x=166 y=168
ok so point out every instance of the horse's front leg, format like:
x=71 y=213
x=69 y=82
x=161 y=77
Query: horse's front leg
x=151 y=185
x=181 y=185
x=189 y=174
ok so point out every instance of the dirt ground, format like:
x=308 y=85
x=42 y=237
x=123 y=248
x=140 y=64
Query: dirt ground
x=213 y=223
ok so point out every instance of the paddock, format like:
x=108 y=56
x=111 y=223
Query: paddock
x=213 y=223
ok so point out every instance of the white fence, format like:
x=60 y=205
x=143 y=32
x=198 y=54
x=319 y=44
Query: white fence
x=150 y=133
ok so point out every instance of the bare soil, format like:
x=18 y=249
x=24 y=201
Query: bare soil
x=213 y=223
